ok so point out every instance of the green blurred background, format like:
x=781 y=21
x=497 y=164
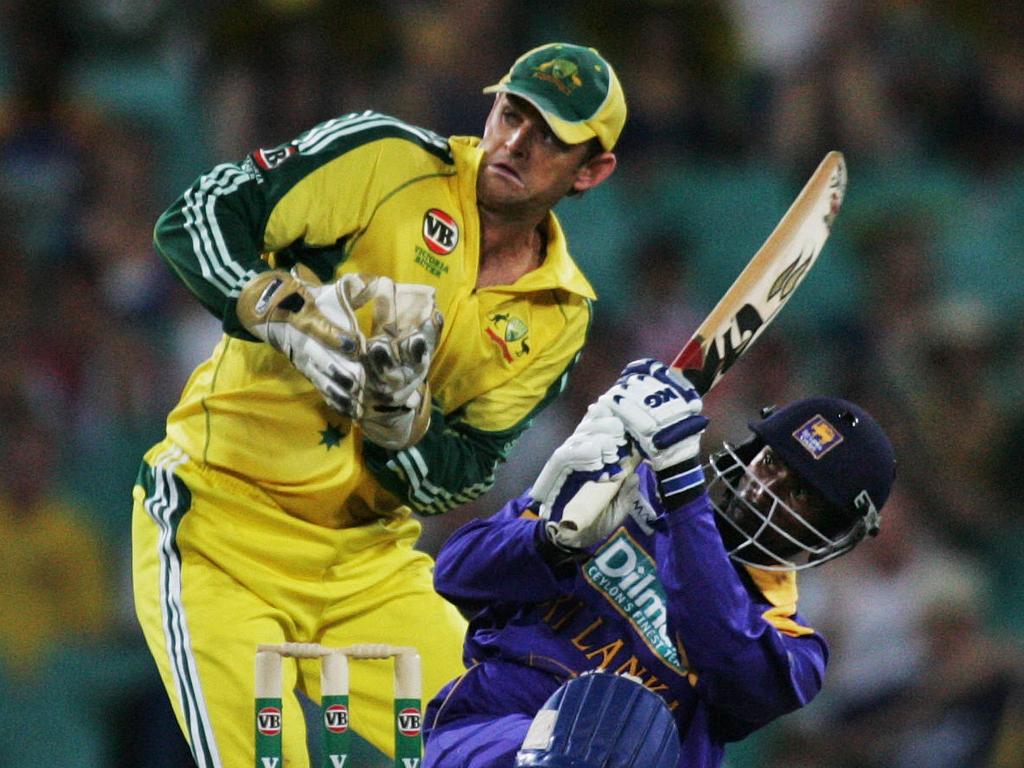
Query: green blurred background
x=109 y=109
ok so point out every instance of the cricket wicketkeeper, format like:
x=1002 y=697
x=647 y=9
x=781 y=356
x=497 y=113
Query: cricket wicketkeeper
x=397 y=308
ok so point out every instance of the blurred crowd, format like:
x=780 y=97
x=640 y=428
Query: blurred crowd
x=109 y=109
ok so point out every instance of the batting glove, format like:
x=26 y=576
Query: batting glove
x=598 y=451
x=578 y=531
x=660 y=410
x=315 y=326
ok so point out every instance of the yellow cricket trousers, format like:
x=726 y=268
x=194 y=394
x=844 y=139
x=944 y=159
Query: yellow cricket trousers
x=218 y=569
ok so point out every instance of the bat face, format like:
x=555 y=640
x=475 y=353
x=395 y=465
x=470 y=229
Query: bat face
x=768 y=281
x=705 y=361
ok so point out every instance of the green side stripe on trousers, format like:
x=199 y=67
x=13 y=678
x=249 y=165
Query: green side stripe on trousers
x=167 y=500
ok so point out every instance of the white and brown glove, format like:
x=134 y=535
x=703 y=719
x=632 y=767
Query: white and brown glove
x=406 y=330
x=315 y=326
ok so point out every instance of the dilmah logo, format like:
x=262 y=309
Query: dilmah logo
x=627 y=576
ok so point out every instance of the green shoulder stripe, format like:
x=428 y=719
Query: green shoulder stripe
x=322 y=144
x=278 y=170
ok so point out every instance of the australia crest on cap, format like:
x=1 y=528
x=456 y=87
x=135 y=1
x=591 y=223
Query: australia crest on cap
x=561 y=73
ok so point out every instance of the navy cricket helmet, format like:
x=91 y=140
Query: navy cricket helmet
x=833 y=446
x=837 y=448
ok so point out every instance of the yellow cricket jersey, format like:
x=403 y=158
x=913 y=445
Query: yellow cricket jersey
x=365 y=193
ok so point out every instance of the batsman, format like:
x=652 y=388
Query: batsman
x=652 y=632
x=397 y=307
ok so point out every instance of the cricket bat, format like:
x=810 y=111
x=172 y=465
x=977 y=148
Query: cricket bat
x=747 y=308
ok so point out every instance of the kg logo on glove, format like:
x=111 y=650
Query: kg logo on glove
x=659 y=398
x=660 y=410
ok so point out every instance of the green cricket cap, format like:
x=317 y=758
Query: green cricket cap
x=573 y=87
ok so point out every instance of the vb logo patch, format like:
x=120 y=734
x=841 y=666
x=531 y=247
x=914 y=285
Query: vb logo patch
x=818 y=436
x=271 y=158
x=510 y=333
x=268 y=721
x=408 y=721
x=440 y=232
x=336 y=718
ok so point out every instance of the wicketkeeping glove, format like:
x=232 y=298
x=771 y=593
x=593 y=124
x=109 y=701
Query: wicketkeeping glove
x=315 y=326
x=597 y=451
x=406 y=329
x=660 y=410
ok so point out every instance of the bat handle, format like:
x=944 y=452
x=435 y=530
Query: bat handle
x=595 y=495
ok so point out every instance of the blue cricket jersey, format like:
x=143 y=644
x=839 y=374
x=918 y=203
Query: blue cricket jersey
x=658 y=599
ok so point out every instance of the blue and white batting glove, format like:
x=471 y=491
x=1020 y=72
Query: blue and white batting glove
x=594 y=452
x=660 y=410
